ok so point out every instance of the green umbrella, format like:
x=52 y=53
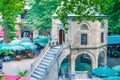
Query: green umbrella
x=117 y=68
x=25 y=39
x=16 y=41
x=6 y=48
x=112 y=78
x=104 y=72
x=15 y=48
x=3 y=44
x=29 y=45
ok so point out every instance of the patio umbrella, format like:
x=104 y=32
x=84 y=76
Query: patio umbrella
x=112 y=78
x=1 y=33
x=5 y=48
x=11 y=77
x=25 y=78
x=29 y=45
x=15 y=42
x=117 y=68
x=18 y=48
x=25 y=39
x=104 y=72
x=3 y=44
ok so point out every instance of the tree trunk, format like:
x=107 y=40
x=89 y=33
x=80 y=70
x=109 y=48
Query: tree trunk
x=6 y=33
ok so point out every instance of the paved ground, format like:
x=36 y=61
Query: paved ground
x=14 y=67
x=113 y=61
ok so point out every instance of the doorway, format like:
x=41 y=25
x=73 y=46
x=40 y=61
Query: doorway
x=61 y=36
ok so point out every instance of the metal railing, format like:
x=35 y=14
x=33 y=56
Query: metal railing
x=38 y=60
x=53 y=62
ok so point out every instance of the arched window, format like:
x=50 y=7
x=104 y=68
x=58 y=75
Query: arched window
x=84 y=27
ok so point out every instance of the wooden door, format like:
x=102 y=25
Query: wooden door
x=61 y=36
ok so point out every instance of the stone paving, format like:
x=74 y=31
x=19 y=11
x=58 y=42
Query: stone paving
x=13 y=67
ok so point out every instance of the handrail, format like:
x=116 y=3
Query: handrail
x=55 y=59
x=38 y=59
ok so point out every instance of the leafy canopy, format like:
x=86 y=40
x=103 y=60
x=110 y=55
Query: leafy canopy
x=9 y=10
x=39 y=16
x=114 y=17
x=83 y=8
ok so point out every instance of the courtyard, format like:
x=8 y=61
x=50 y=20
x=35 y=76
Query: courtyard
x=60 y=40
x=13 y=67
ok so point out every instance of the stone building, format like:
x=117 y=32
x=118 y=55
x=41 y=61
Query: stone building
x=20 y=19
x=85 y=41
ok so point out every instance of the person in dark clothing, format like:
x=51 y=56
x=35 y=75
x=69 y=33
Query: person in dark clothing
x=1 y=64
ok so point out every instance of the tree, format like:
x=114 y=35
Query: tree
x=114 y=17
x=39 y=16
x=9 y=10
x=83 y=8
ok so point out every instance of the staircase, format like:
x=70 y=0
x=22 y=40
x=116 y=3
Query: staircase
x=44 y=64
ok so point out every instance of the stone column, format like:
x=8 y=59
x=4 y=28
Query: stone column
x=94 y=63
x=105 y=59
x=72 y=68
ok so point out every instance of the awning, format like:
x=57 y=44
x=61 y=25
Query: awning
x=1 y=34
x=104 y=72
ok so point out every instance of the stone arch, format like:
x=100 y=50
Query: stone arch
x=63 y=55
x=93 y=59
x=102 y=49
x=84 y=27
x=102 y=58
x=83 y=62
x=87 y=24
x=65 y=67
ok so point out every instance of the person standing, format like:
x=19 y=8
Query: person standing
x=1 y=65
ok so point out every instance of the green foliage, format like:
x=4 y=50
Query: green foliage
x=9 y=10
x=39 y=16
x=7 y=52
x=114 y=17
x=22 y=73
x=85 y=9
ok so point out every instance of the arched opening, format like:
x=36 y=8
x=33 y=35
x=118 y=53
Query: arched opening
x=83 y=63
x=84 y=27
x=101 y=59
x=26 y=32
x=61 y=36
x=65 y=67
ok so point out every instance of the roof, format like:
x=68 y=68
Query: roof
x=26 y=28
x=90 y=12
x=113 y=39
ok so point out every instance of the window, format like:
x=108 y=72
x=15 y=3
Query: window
x=84 y=27
x=84 y=39
x=102 y=24
x=102 y=37
x=23 y=15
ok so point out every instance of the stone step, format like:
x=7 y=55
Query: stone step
x=48 y=58
x=38 y=73
x=56 y=47
x=44 y=60
x=49 y=55
x=42 y=66
x=36 y=77
x=45 y=63
x=40 y=69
